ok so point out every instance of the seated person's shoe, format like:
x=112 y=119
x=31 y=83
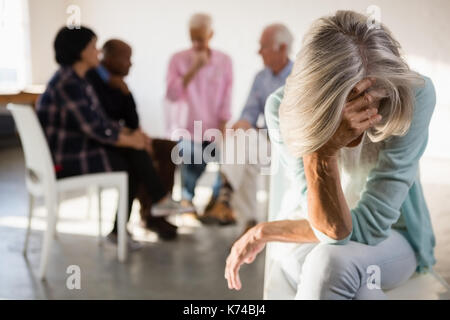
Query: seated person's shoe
x=219 y=210
x=162 y=227
x=221 y=213
x=168 y=206
x=132 y=244
x=210 y=204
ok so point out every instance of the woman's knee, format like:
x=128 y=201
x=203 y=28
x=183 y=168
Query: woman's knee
x=328 y=257
x=328 y=272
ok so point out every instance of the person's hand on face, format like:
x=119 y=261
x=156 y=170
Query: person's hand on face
x=360 y=114
x=201 y=58
x=244 y=250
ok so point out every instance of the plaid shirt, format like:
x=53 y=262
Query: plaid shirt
x=77 y=130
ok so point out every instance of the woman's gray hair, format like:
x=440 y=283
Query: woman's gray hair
x=338 y=52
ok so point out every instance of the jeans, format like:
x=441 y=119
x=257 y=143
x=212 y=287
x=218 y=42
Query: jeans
x=193 y=153
x=324 y=271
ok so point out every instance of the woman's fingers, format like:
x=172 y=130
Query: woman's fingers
x=234 y=276
x=360 y=87
x=363 y=115
x=243 y=251
x=373 y=120
x=365 y=100
x=250 y=259
x=233 y=264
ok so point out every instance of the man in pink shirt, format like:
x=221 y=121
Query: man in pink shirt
x=200 y=78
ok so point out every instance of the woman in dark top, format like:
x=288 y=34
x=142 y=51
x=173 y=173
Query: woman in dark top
x=81 y=137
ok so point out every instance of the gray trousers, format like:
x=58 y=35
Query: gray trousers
x=351 y=271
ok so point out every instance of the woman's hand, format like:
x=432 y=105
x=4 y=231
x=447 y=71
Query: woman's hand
x=360 y=113
x=244 y=250
x=135 y=139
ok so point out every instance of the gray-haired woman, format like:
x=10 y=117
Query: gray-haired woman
x=350 y=126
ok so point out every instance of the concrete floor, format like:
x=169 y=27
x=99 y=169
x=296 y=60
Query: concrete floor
x=189 y=268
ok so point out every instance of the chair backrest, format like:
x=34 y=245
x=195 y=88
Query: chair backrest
x=40 y=174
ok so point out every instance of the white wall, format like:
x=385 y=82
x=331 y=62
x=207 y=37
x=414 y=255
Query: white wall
x=158 y=28
x=46 y=17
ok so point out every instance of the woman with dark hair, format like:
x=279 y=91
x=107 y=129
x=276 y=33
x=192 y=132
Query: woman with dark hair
x=81 y=137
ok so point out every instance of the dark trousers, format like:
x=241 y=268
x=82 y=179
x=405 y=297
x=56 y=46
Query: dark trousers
x=141 y=173
x=145 y=182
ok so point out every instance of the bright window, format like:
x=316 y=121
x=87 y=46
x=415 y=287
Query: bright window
x=14 y=40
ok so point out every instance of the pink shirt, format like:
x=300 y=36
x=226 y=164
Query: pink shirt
x=208 y=95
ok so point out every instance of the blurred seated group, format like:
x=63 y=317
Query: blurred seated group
x=91 y=122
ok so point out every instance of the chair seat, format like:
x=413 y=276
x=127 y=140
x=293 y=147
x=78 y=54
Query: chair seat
x=420 y=287
x=104 y=179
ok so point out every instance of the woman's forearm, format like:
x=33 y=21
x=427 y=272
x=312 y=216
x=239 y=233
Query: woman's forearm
x=285 y=231
x=327 y=208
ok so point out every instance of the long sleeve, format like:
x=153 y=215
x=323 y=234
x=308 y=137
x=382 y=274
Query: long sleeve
x=90 y=118
x=175 y=89
x=254 y=105
x=389 y=182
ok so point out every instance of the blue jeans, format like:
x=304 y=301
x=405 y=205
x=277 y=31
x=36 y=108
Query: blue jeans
x=191 y=171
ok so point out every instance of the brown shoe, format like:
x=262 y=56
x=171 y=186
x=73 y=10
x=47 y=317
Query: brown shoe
x=221 y=213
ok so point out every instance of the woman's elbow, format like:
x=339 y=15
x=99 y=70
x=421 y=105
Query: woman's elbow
x=338 y=234
x=342 y=231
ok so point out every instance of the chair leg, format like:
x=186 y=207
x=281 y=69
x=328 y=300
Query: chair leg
x=122 y=221
x=30 y=217
x=48 y=236
x=99 y=209
x=89 y=208
x=92 y=194
x=55 y=232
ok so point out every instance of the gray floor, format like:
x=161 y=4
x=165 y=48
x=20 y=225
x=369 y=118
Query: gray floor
x=189 y=268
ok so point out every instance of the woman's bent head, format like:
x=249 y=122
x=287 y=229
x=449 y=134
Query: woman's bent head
x=337 y=53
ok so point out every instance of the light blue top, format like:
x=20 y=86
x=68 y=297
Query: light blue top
x=264 y=84
x=392 y=191
x=103 y=73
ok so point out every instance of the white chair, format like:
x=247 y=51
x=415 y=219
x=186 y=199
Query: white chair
x=429 y=286
x=41 y=182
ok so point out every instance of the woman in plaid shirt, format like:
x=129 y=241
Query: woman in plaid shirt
x=81 y=137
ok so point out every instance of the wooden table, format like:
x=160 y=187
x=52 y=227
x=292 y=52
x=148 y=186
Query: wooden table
x=22 y=97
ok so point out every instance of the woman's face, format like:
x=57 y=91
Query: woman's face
x=90 y=54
